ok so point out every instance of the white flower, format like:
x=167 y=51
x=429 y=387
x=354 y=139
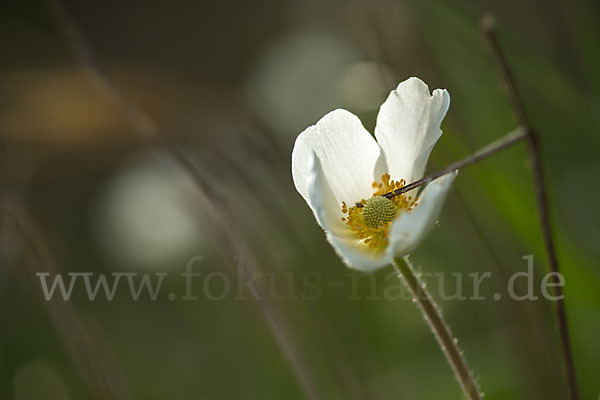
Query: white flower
x=337 y=163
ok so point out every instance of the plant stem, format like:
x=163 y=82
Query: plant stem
x=439 y=327
x=505 y=141
x=533 y=146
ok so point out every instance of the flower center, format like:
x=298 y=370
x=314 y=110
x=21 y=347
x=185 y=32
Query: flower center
x=378 y=211
x=371 y=223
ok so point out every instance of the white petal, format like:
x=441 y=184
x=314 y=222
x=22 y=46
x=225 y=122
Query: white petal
x=321 y=200
x=409 y=229
x=357 y=255
x=408 y=125
x=354 y=253
x=346 y=151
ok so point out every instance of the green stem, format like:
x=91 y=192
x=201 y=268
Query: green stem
x=439 y=327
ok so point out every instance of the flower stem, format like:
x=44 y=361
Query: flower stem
x=439 y=327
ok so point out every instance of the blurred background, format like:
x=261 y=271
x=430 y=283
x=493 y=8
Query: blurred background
x=137 y=135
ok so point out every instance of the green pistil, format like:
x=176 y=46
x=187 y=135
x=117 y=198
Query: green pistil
x=378 y=211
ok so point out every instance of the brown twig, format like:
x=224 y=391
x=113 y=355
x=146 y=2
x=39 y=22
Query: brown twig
x=506 y=141
x=488 y=27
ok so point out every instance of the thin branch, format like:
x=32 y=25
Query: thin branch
x=488 y=27
x=439 y=327
x=506 y=141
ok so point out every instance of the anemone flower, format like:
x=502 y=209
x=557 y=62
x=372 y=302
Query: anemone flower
x=343 y=174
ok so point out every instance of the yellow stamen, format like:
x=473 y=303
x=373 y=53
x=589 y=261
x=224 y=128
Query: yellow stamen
x=371 y=223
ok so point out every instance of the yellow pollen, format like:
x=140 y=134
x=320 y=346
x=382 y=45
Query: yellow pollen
x=371 y=223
